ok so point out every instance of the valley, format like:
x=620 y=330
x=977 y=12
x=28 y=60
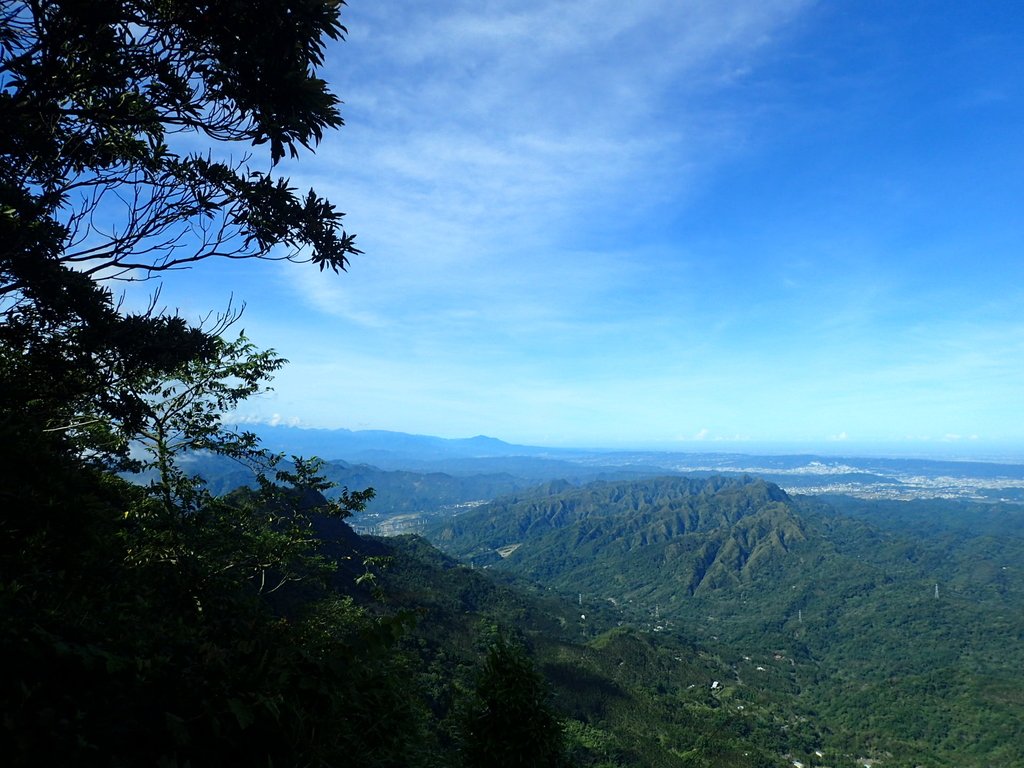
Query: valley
x=739 y=282
x=894 y=639
x=806 y=609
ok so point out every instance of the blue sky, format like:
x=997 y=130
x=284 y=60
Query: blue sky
x=700 y=225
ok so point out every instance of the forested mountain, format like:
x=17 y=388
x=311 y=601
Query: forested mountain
x=628 y=697
x=897 y=637
x=667 y=538
x=402 y=499
x=406 y=500
x=240 y=620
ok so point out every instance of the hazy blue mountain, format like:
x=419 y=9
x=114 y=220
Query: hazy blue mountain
x=374 y=446
x=867 y=477
x=398 y=493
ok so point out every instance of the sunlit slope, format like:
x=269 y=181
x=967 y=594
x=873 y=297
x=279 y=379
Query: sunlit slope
x=665 y=537
x=906 y=639
x=630 y=697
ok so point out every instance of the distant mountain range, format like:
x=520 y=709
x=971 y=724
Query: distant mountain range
x=861 y=621
x=866 y=477
x=383 y=447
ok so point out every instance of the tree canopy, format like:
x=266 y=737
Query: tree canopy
x=121 y=119
x=152 y=622
x=116 y=114
x=157 y=624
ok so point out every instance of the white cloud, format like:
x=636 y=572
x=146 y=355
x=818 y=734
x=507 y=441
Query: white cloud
x=331 y=297
x=271 y=420
x=483 y=133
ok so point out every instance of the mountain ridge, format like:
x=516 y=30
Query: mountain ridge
x=899 y=627
x=867 y=476
x=709 y=530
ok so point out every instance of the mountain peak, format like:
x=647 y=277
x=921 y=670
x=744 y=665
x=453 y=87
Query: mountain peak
x=696 y=533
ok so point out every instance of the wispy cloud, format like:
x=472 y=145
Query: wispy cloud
x=531 y=181
x=487 y=135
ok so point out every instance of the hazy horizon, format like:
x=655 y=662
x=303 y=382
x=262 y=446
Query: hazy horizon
x=1012 y=453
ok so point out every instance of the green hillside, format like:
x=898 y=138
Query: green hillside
x=665 y=539
x=219 y=608
x=848 y=610
x=628 y=696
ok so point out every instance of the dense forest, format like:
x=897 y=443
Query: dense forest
x=157 y=623
x=897 y=626
x=153 y=616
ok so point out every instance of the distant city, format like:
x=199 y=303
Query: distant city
x=873 y=474
x=900 y=485
x=868 y=478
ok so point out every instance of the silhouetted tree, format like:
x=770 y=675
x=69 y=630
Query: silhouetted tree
x=508 y=721
x=138 y=626
x=117 y=119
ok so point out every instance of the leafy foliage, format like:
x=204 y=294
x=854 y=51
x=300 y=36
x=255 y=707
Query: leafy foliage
x=509 y=722
x=105 y=108
x=183 y=413
x=163 y=625
x=94 y=91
